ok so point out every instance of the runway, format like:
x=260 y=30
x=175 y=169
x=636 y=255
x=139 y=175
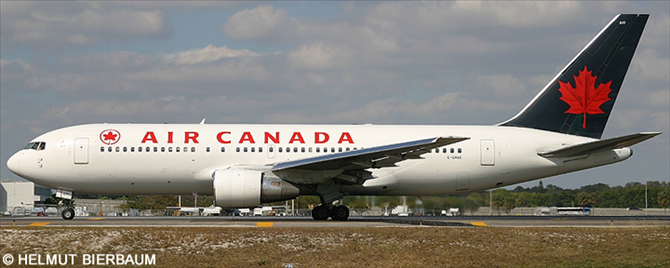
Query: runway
x=353 y=222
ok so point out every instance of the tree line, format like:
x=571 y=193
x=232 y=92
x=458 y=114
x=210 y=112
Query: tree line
x=596 y=195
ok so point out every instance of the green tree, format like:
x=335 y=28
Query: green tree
x=389 y=202
x=472 y=202
x=522 y=200
x=359 y=204
x=586 y=199
x=149 y=202
x=540 y=187
x=307 y=201
x=508 y=203
x=432 y=204
x=664 y=199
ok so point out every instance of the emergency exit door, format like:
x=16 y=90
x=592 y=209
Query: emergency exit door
x=81 y=151
x=487 y=153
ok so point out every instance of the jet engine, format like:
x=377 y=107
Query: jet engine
x=239 y=187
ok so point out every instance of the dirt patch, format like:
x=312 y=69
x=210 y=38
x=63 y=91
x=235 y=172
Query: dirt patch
x=356 y=247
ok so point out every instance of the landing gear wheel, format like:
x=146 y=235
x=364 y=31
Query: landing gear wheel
x=320 y=213
x=340 y=213
x=68 y=214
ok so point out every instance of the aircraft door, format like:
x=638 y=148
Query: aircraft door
x=271 y=151
x=81 y=151
x=462 y=181
x=487 y=153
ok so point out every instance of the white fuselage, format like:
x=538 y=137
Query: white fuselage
x=181 y=158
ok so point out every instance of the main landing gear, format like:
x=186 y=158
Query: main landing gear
x=338 y=213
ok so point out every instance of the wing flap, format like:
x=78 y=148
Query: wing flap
x=600 y=145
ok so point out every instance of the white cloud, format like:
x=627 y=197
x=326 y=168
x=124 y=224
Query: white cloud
x=160 y=106
x=53 y=25
x=659 y=98
x=504 y=85
x=319 y=56
x=258 y=23
x=650 y=65
x=375 y=62
x=208 y=54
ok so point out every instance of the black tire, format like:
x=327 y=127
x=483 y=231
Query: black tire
x=320 y=213
x=340 y=213
x=68 y=214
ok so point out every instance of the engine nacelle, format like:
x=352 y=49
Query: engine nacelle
x=239 y=187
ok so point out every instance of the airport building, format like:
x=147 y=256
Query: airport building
x=20 y=197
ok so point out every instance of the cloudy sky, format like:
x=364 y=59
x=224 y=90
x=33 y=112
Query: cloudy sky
x=67 y=63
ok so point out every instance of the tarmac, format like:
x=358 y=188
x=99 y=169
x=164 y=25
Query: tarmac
x=353 y=222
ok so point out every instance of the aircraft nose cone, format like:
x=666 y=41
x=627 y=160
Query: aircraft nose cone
x=14 y=163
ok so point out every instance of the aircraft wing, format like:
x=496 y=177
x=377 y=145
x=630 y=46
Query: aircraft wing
x=374 y=157
x=600 y=145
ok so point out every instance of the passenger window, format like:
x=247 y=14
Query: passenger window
x=302 y=150
x=109 y=149
x=253 y=149
x=223 y=149
x=452 y=150
x=310 y=149
x=347 y=149
x=169 y=149
x=288 y=149
x=125 y=149
x=176 y=149
x=155 y=149
x=118 y=149
x=139 y=149
x=132 y=149
x=459 y=150
x=271 y=149
x=245 y=149
x=102 y=149
x=148 y=149
x=444 y=150
x=339 y=149
x=192 y=149
x=279 y=149
x=332 y=149
x=318 y=149
x=237 y=149
x=260 y=149
x=295 y=149
x=207 y=149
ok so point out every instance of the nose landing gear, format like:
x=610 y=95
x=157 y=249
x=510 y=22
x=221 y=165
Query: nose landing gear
x=67 y=213
x=67 y=208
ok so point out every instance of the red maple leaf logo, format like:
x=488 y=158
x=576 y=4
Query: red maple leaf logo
x=110 y=136
x=585 y=98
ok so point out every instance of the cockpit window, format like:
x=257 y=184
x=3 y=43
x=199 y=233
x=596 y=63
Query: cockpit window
x=37 y=146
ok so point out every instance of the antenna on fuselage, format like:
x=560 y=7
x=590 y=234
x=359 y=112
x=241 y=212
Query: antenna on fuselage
x=203 y=121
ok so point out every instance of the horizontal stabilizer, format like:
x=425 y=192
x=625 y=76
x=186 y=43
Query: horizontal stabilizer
x=600 y=145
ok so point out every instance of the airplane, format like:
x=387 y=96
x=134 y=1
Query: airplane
x=558 y=131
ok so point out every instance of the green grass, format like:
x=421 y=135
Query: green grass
x=356 y=247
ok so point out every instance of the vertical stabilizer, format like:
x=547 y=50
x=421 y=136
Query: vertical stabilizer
x=579 y=99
